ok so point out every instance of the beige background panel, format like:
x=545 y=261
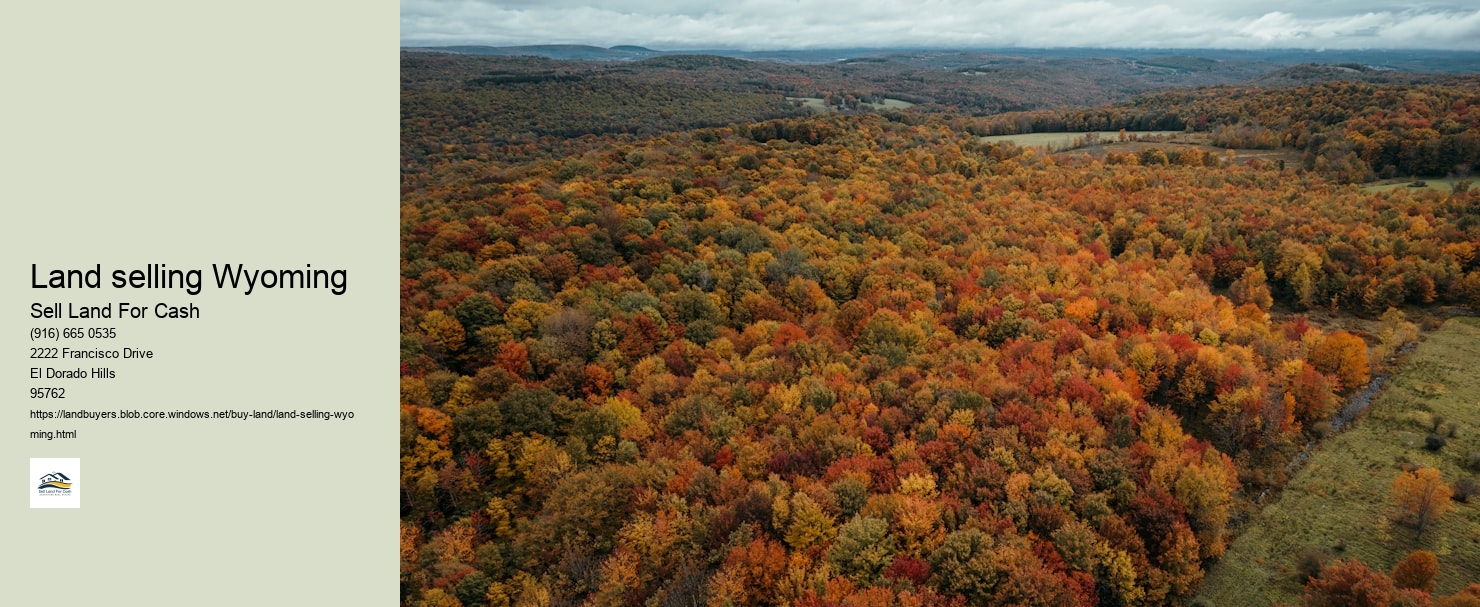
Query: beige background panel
x=189 y=133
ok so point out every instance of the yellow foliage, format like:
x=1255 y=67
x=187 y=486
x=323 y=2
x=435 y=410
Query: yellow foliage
x=809 y=525
x=629 y=418
x=918 y=485
x=444 y=329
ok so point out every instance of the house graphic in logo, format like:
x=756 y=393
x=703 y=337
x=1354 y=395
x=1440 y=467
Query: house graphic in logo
x=55 y=480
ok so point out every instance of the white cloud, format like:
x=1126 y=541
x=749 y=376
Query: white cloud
x=797 y=24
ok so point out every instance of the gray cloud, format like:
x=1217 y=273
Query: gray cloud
x=797 y=24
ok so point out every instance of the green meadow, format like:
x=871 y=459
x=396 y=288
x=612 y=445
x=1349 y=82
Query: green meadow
x=1340 y=502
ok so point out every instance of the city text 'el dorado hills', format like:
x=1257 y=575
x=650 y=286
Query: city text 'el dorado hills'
x=157 y=276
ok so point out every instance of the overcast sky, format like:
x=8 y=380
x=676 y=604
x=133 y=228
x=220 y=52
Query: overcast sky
x=802 y=24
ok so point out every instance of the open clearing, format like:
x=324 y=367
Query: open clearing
x=1059 y=141
x=817 y=105
x=1340 y=501
x=1109 y=141
x=1443 y=184
x=891 y=103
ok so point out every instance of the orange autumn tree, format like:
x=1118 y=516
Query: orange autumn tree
x=1417 y=571
x=1251 y=288
x=1421 y=497
x=1343 y=356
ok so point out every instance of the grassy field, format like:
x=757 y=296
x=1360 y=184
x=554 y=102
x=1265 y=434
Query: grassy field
x=1063 y=140
x=1443 y=184
x=1109 y=141
x=897 y=104
x=818 y=107
x=1340 y=502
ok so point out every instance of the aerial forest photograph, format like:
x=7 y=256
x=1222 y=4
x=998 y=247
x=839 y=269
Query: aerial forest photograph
x=1101 y=303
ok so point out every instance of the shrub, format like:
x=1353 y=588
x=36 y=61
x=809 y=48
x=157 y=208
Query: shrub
x=1434 y=442
x=1308 y=563
x=1466 y=488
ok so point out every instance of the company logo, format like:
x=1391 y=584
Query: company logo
x=56 y=480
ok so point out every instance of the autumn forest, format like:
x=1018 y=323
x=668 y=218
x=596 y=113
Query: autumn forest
x=739 y=353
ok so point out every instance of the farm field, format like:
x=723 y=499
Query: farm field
x=1340 y=502
x=1443 y=184
x=1137 y=141
x=1063 y=140
x=1291 y=156
x=818 y=105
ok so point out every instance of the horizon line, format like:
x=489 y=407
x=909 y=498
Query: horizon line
x=946 y=48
